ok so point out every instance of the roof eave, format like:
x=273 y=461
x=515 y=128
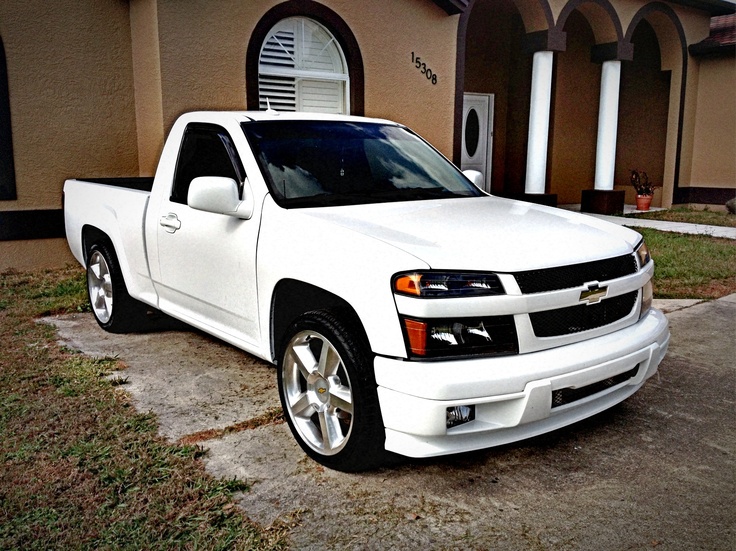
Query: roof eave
x=713 y=7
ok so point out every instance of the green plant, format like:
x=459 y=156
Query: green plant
x=640 y=180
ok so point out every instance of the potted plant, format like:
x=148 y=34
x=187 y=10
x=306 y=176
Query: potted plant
x=644 y=189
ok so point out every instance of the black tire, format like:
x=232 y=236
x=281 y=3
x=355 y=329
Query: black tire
x=328 y=393
x=114 y=309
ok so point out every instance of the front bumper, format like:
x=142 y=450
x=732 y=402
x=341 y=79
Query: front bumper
x=512 y=395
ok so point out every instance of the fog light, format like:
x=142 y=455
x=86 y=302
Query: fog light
x=459 y=415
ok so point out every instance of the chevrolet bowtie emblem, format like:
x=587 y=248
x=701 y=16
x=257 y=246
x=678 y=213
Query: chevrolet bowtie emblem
x=321 y=390
x=593 y=294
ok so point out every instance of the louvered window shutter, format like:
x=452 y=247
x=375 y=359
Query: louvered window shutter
x=302 y=68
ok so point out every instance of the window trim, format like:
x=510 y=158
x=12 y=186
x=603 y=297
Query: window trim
x=231 y=150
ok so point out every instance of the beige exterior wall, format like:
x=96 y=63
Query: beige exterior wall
x=147 y=83
x=394 y=88
x=204 y=44
x=71 y=95
x=70 y=84
x=714 y=135
x=34 y=254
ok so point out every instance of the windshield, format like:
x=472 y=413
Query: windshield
x=321 y=163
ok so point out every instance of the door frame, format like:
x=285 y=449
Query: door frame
x=489 y=119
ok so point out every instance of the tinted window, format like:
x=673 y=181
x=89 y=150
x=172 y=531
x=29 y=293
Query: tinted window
x=206 y=150
x=311 y=164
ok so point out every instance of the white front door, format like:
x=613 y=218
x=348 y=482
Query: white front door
x=478 y=135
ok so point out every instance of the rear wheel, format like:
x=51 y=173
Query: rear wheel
x=114 y=309
x=328 y=393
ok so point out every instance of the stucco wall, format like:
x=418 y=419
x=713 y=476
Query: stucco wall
x=714 y=159
x=204 y=44
x=71 y=95
x=394 y=87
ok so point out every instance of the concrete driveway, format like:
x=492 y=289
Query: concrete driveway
x=655 y=472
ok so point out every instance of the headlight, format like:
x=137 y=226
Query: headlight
x=447 y=284
x=445 y=338
x=647 y=296
x=642 y=253
x=647 y=292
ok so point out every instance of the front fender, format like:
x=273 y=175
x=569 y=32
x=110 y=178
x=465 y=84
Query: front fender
x=356 y=268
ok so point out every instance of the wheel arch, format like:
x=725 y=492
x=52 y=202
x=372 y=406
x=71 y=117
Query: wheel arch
x=292 y=298
x=137 y=281
x=92 y=235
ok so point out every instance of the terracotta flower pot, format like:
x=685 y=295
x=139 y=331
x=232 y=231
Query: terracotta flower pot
x=643 y=202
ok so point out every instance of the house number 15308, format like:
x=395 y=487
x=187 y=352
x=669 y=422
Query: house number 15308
x=422 y=67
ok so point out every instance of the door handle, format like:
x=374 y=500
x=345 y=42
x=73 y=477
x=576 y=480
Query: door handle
x=170 y=222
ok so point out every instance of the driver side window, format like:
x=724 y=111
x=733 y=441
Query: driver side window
x=206 y=150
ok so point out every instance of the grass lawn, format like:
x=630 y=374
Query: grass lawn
x=690 y=216
x=691 y=266
x=81 y=469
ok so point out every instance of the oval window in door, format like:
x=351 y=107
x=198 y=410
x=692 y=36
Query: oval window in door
x=472 y=132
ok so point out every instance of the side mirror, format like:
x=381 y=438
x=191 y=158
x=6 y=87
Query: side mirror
x=475 y=177
x=220 y=196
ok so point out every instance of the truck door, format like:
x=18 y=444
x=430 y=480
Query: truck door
x=206 y=260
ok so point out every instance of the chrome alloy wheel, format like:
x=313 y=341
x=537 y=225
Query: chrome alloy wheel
x=99 y=283
x=317 y=392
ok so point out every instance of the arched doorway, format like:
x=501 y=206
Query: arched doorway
x=643 y=112
x=497 y=64
x=574 y=117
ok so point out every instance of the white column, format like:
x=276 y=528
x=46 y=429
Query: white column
x=536 y=159
x=607 y=125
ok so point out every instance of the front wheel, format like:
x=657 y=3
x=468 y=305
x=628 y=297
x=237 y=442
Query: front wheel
x=328 y=393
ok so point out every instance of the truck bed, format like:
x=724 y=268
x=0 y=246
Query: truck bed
x=139 y=184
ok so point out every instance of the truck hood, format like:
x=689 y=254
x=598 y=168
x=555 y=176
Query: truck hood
x=487 y=233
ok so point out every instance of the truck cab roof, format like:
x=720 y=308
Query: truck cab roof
x=271 y=115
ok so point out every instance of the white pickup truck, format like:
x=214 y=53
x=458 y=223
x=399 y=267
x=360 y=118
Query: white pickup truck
x=406 y=310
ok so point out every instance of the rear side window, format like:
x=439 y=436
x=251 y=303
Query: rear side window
x=206 y=150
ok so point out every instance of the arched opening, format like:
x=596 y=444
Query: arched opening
x=331 y=23
x=574 y=117
x=667 y=30
x=301 y=67
x=7 y=165
x=497 y=64
x=644 y=108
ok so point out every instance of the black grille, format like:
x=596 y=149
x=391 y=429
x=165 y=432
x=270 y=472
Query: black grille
x=566 y=277
x=569 y=395
x=574 y=319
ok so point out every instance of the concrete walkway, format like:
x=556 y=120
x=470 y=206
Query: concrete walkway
x=677 y=227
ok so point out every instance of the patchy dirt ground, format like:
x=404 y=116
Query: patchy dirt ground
x=655 y=472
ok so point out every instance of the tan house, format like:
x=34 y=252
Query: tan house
x=554 y=101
